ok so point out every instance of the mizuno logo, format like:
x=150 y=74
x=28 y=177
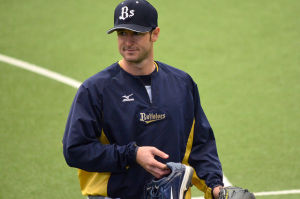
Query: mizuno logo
x=126 y=98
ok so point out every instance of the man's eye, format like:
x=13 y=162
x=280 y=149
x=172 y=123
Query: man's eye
x=137 y=33
x=121 y=33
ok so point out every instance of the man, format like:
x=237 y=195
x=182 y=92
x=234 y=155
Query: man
x=129 y=120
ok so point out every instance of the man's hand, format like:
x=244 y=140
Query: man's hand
x=145 y=157
x=216 y=191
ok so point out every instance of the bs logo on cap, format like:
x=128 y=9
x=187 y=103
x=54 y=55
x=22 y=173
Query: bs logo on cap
x=135 y=15
x=125 y=14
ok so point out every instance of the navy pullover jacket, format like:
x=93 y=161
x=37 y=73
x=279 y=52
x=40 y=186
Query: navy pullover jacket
x=111 y=114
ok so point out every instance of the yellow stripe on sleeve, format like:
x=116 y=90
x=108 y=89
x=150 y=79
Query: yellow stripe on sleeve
x=199 y=183
x=94 y=183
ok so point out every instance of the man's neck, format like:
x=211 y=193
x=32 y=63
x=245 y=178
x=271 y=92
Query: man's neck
x=146 y=67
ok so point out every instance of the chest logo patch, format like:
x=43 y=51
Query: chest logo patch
x=151 y=117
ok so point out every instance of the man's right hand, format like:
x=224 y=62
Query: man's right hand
x=145 y=156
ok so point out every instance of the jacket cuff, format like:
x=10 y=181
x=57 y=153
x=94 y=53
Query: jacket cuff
x=215 y=184
x=132 y=150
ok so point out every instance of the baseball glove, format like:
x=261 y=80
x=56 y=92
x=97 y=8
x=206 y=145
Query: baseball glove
x=235 y=193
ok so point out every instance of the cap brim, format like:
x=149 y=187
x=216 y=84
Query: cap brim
x=132 y=27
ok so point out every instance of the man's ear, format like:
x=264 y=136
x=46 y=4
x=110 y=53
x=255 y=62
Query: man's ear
x=154 y=34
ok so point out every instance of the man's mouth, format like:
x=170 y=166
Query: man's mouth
x=130 y=49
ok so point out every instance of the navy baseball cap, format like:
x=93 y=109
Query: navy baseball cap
x=135 y=15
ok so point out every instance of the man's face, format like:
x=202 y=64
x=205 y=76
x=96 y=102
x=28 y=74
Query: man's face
x=135 y=47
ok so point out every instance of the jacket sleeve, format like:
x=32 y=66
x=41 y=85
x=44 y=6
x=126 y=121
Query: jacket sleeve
x=81 y=146
x=204 y=156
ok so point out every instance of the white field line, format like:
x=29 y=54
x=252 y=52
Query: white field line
x=226 y=181
x=285 y=192
x=39 y=70
x=269 y=193
x=75 y=84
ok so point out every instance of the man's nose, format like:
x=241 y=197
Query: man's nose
x=130 y=39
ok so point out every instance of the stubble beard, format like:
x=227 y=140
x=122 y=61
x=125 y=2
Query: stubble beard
x=142 y=54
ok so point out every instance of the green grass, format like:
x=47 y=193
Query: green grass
x=32 y=164
x=244 y=56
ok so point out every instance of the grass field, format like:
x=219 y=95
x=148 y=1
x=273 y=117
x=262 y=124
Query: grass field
x=244 y=56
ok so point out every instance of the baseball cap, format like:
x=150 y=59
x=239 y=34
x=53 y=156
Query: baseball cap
x=135 y=15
